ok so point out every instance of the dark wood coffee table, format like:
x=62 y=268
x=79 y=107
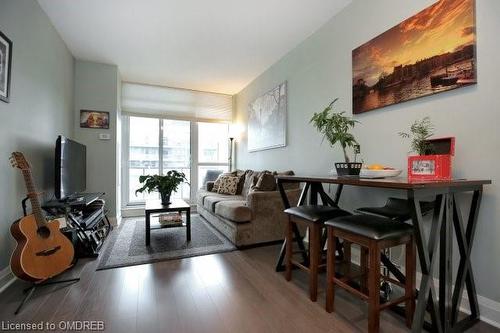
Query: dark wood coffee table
x=177 y=205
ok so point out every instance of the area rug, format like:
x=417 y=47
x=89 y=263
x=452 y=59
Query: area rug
x=126 y=244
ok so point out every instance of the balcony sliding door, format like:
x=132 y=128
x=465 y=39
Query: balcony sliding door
x=212 y=151
x=176 y=152
x=143 y=156
x=155 y=146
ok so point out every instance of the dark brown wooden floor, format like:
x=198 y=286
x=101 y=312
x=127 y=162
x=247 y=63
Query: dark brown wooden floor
x=230 y=292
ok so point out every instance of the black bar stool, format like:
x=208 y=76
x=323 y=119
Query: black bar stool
x=374 y=234
x=397 y=210
x=313 y=217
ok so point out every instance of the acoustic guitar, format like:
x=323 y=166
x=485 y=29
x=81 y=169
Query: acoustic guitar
x=42 y=250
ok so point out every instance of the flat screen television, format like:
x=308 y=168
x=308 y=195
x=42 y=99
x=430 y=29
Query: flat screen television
x=70 y=168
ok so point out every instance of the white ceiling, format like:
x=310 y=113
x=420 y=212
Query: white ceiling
x=209 y=45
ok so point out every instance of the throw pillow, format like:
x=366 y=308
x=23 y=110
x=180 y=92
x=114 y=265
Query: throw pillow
x=228 y=185
x=215 y=188
x=247 y=184
x=241 y=174
x=265 y=182
x=284 y=173
x=249 y=180
x=287 y=186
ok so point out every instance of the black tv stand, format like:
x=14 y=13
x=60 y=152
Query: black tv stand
x=85 y=213
x=73 y=199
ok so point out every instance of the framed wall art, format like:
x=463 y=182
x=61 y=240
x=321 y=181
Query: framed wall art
x=94 y=119
x=5 y=67
x=267 y=120
x=429 y=53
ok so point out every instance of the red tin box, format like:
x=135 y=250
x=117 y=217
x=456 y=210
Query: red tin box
x=433 y=167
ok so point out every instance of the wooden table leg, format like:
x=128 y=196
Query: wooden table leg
x=338 y=193
x=289 y=249
x=188 y=224
x=427 y=293
x=148 y=228
x=465 y=275
x=297 y=236
x=314 y=258
x=445 y=269
x=374 y=288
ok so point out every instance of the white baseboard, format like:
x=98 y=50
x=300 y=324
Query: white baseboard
x=133 y=211
x=489 y=309
x=114 y=220
x=6 y=278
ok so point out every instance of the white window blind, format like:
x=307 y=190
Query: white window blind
x=156 y=101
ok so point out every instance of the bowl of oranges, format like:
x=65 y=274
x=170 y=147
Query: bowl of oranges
x=378 y=171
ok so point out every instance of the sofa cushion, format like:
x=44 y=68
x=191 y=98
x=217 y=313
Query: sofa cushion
x=234 y=210
x=287 y=186
x=265 y=182
x=215 y=188
x=284 y=173
x=241 y=182
x=210 y=200
x=251 y=178
x=200 y=196
x=228 y=185
x=248 y=182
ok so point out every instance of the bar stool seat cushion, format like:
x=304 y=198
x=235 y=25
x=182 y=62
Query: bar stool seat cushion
x=396 y=209
x=373 y=227
x=316 y=213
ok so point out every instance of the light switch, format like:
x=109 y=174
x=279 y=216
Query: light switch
x=104 y=136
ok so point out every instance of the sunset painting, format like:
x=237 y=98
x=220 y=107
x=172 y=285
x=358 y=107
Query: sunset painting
x=431 y=52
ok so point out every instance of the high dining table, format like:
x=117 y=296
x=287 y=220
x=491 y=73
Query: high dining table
x=447 y=220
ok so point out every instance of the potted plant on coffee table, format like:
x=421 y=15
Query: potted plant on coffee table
x=165 y=185
x=336 y=127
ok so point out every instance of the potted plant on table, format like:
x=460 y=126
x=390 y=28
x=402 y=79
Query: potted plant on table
x=434 y=158
x=165 y=185
x=335 y=127
x=420 y=133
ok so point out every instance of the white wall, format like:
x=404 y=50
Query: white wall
x=97 y=88
x=320 y=69
x=40 y=108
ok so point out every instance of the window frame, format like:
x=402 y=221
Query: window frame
x=193 y=160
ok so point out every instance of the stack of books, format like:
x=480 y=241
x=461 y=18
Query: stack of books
x=170 y=219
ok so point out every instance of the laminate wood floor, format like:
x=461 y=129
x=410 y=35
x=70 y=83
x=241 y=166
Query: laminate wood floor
x=230 y=292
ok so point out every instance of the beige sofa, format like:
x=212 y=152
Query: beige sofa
x=249 y=217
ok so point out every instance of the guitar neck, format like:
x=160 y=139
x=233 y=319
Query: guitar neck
x=33 y=196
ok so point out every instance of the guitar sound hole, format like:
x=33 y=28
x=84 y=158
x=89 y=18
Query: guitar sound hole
x=43 y=232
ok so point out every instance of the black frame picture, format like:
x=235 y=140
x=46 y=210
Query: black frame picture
x=5 y=67
x=94 y=119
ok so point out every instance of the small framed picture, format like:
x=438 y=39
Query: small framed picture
x=5 y=67
x=423 y=167
x=94 y=119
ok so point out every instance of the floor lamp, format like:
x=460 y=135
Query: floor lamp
x=230 y=159
x=235 y=131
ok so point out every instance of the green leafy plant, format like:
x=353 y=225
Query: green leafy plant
x=335 y=127
x=420 y=132
x=165 y=185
